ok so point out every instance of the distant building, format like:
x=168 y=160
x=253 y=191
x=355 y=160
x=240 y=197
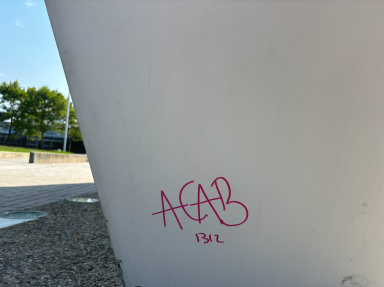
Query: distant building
x=4 y=127
x=54 y=135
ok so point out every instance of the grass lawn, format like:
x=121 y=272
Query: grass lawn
x=28 y=150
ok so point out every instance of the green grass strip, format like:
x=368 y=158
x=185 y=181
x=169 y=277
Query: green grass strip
x=28 y=150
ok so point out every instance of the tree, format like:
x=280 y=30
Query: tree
x=73 y=127
x=12 y=96
x=42 y=110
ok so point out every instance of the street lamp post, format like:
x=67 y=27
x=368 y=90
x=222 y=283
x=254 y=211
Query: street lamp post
x=66 y=124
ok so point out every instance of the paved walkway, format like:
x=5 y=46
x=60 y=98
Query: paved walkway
x=24 y=185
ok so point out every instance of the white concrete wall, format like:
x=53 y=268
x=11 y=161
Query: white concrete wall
x=284 y=99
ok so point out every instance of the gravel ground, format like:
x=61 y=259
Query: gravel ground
x=70 y=247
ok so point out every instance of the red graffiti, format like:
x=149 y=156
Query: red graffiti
x=207 y=240
x=201 y=194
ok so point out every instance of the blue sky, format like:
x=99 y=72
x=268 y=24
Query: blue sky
x=28 y=51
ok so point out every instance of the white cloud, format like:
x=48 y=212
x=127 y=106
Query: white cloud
x=30 y=3
x=2 y=75
x=19 y=23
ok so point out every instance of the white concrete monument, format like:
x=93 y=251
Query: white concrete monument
x=233 y=143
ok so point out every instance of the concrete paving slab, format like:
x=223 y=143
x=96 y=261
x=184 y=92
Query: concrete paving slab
x=24 y=185
x=9 y=222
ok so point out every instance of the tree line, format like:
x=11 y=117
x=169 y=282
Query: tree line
x=34 y=111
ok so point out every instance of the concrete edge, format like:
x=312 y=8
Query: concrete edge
x=7 y=154
x=44 y=157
